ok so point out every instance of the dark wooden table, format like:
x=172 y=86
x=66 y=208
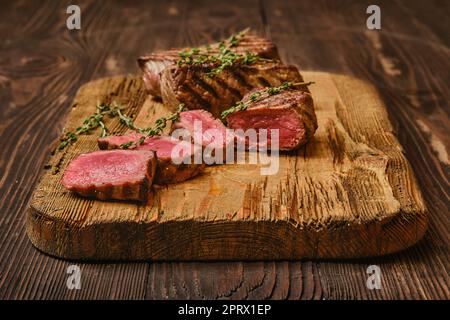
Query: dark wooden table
x=42 y=64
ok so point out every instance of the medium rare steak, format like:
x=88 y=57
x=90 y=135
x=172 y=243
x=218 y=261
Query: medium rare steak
x=291 y=112
x=153 y=64
x=207 y=131
x=208 y=125
x=192 y=86
x=117 y=174
x=173 y=167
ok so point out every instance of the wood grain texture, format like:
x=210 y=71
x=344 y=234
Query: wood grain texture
x=350 y=193
x=41 y=61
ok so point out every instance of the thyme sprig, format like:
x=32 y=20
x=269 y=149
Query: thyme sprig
x=225 y=57
x=259 y=95
x=97 y=119
x=94 y=121
x=156 y=130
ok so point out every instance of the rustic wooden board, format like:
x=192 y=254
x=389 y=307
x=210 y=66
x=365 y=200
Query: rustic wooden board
x=349 y=193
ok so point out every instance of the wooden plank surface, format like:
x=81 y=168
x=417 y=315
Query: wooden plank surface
x=349 y=193
x=42 y=64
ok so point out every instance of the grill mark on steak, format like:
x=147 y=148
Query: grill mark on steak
x=107 y=193
x=205 y=86
x=255 y=75
x=235 y=92
x=128 y=190
x=273 y=73
x=153 y=64
x=264 y=82
x=260 y=46
x=200 y=100
x=240 y=78
x=230 y=86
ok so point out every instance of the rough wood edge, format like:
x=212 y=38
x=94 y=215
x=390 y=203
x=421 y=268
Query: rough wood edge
x=52 y=236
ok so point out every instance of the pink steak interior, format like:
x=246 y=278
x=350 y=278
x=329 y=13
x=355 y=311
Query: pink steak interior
x=163 y=146
x=116 y=141
x=107 y=167
x=213 y=130
x=289 y=123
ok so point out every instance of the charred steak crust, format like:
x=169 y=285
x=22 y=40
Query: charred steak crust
x=153 y=64
x=190 y=84
x=167 y=172
x=127 y=191
x=298 y=102
x=95 y=175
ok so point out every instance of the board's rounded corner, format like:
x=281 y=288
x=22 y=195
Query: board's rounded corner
x=414 y=224
x=40 y=231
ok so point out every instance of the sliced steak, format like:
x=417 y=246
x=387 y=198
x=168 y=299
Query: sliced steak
x=291 y=112
x=115 y=142
x=193 y=87
x=153 y=64
x=173 y=165
x=117 y=174
x=210 y=131
x=207 y=131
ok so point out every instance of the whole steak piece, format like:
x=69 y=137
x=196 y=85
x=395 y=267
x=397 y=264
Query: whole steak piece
x=152 y=65
x=290 y=112
x=116 y=174
x=192 y=85
x=173 y=165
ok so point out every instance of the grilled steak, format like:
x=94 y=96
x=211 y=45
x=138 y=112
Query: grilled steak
x=291 y=112
x=208 y=127
x=207 y=131
x=153 y=64
x=117 y=174
x=193 y=87
x=171 y=168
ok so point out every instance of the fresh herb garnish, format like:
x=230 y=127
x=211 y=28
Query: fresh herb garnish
x=115 y=110
x=94 y=121
x=160 y=125
x=225 y=57
x=259 y=95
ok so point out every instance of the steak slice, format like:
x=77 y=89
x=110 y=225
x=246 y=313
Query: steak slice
x=192 y=86
x=173 y=165
x=117 y=174
x=207 y=131
x=153 y=64
x=291 y=112
x=212 y=130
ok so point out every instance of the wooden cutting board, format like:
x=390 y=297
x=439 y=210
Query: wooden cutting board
x=349 y=193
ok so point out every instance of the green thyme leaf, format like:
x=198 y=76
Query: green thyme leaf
x=224 y=58
x=156 y=130
x=259 y=95
x=96 y=120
